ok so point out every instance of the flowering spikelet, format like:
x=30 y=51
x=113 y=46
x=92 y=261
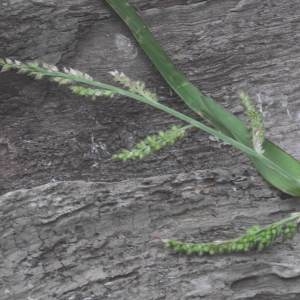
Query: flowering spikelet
x=40 y=70
x=137 y=87
x=256 y=123
x=66 y=76
x=31 y=69
x=77 y=73
x=90 y=92
x=152 y=143
x=255 y=238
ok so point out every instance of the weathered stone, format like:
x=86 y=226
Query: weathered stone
x=76 y=239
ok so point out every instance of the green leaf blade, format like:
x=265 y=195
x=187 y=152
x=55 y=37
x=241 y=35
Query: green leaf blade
x=222 y=120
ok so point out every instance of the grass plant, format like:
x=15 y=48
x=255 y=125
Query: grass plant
x=277 y=167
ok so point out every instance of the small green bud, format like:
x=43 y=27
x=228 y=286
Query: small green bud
x=137 y=87
x=152 y=143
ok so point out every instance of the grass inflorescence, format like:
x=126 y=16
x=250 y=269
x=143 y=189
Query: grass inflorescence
x=256 y=238
x=78 y=82
x=135 y=86
x=83 y=84
x=153 y=143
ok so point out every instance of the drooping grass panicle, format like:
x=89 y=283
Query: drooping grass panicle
x=137 y=87
x=74 y=79
x=256 y=122
x=153 y=143
x=256 y=238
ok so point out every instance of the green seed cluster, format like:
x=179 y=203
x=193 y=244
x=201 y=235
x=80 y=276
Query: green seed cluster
x=62 y=77
x=137 y=87
x=91 y=92
x=39 y=71
x=256 y=122
x=152 y=143
x=32 y=69
x=256 y=238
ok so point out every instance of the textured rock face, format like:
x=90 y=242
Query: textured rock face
x=83 y=240
x=80 y=240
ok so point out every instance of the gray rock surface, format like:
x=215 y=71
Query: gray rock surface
x=90 y=234
x=83 y=240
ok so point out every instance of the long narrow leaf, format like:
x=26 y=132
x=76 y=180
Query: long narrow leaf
x=221 y=119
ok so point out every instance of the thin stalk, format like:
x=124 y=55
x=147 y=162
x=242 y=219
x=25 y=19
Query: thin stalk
x=177 y=115
x=289 y=183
